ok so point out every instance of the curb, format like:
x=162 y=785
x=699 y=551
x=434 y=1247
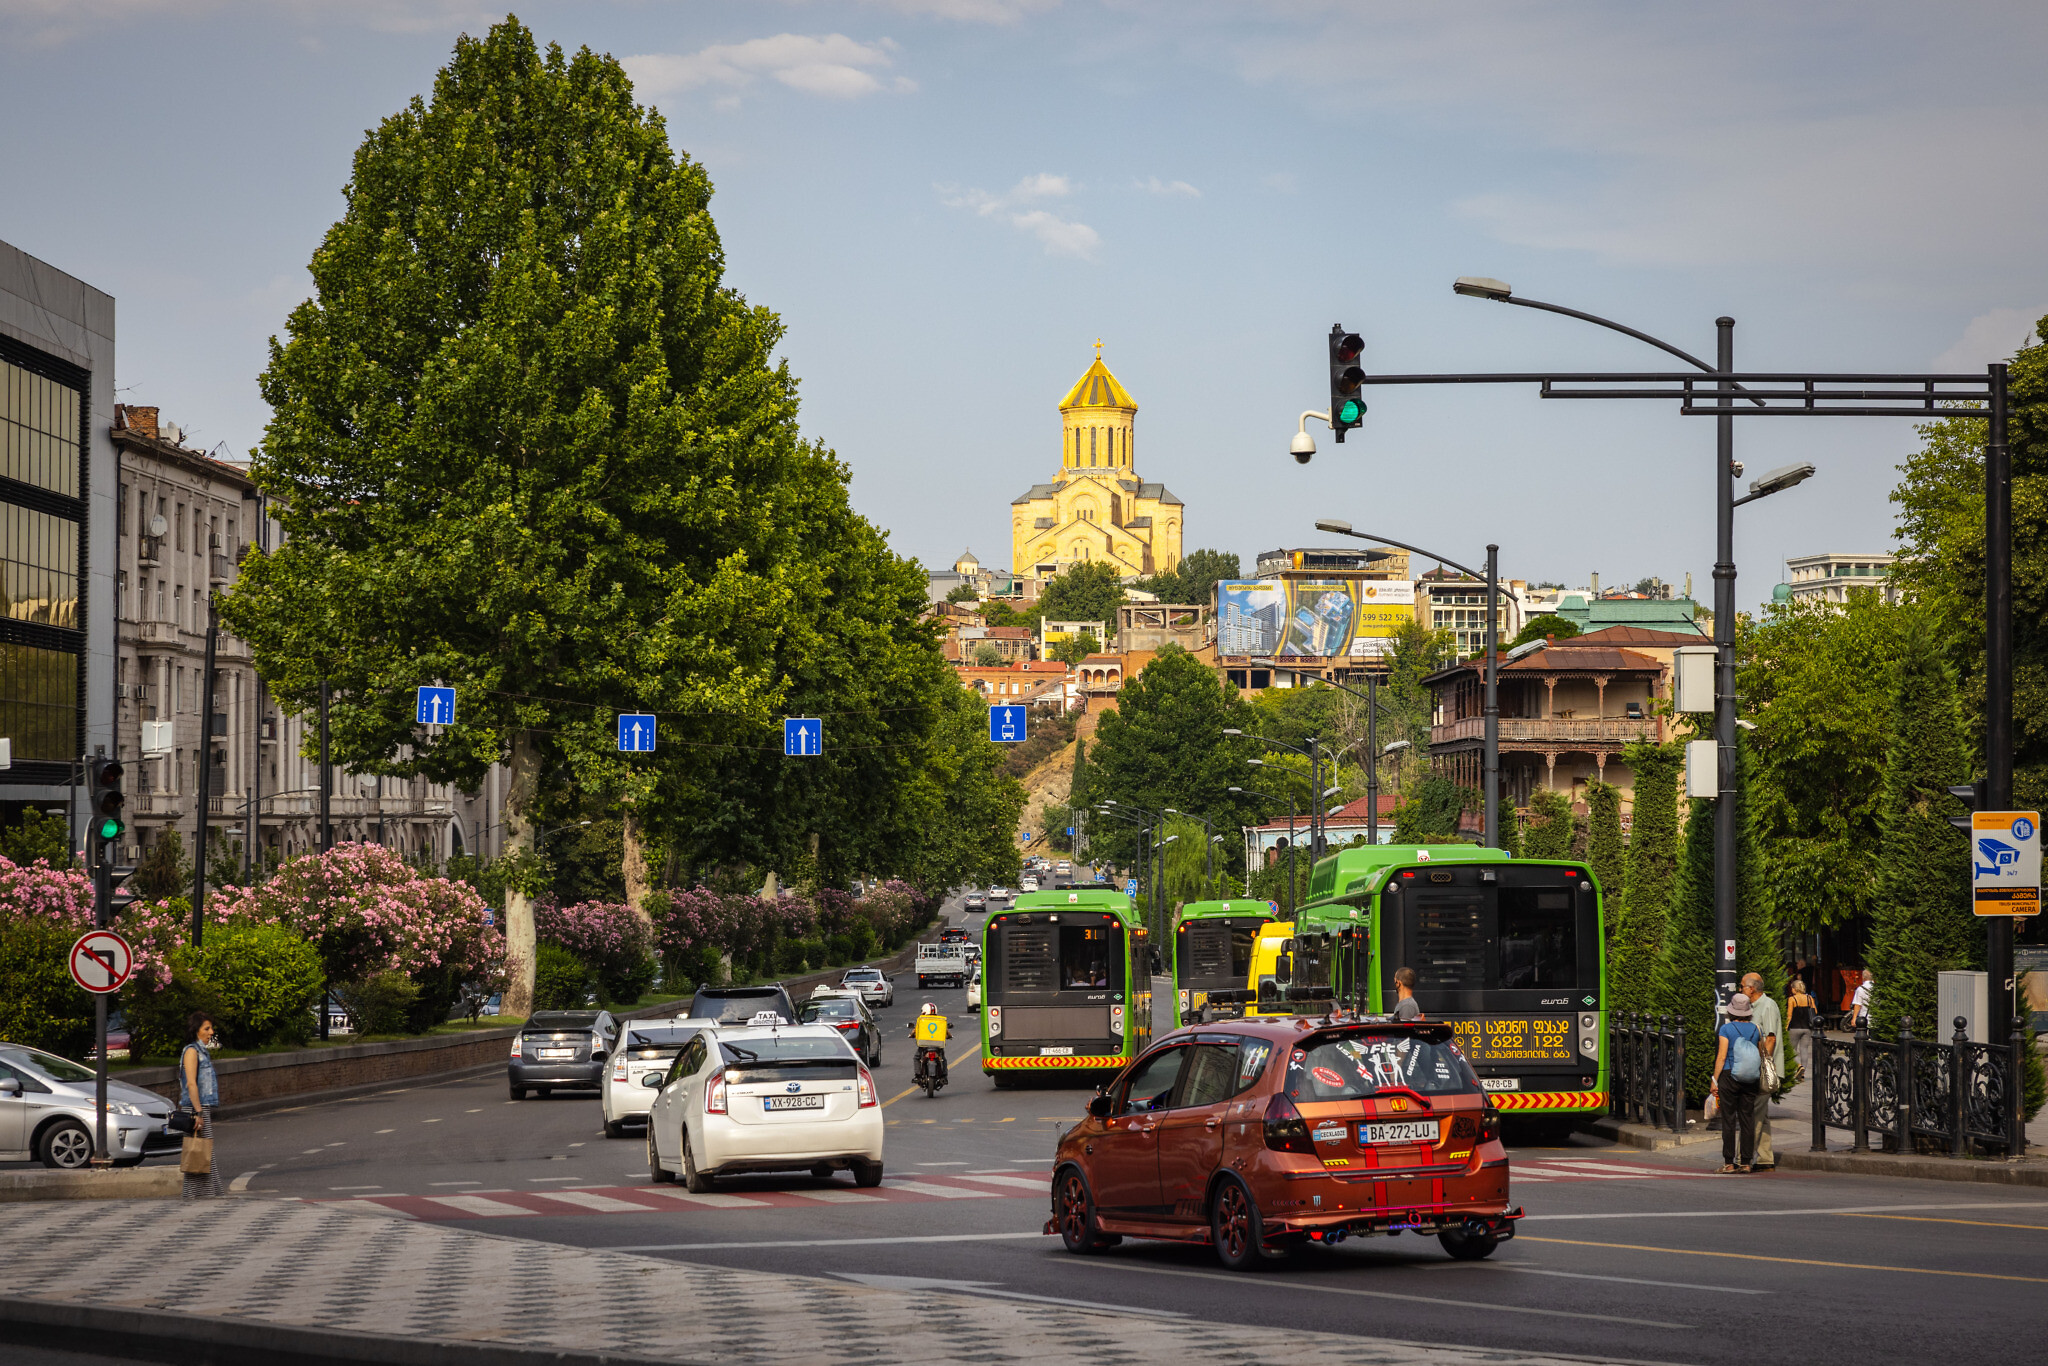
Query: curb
x=1642 y=1136
x=1981 y=1171
x=194 y=1340
x=124 y=1183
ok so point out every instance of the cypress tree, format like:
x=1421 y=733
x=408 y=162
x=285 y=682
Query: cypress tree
x=1549 y=831
x=1603 y=841
x=1921 y=922
x=1638 y=932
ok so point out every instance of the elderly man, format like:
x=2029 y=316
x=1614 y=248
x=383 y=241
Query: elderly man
x=1770 y=1023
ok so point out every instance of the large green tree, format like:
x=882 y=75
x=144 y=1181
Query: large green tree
x=1921 y=921
x=1164 y=746
x=1549 y=624
x=1416 y=653
x=1636 y=932
x=1089 y=591
x=1547 y=831
x=1941 y=558
x=526 y=441
x=1193 y=581
x=1604 y=849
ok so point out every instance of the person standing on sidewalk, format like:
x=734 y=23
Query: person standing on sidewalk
x=1738 y=1072
x=199 y=1092
x=1801 y=1012
x=1407 y=1008
x=1771 y=1025
x=1859 y=1004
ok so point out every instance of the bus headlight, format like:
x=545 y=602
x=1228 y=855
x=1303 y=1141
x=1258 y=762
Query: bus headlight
x=1116 y=1021
x=995 y=1020
x=1589 y=1036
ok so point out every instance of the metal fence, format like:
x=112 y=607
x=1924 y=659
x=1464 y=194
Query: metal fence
x=1953 y=1095
x=1646 y=1061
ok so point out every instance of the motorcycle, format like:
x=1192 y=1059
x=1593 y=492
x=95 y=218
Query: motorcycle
x=930 y=1070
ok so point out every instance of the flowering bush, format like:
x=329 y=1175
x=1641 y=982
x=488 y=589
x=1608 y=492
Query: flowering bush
x=607 y=937
x=36 y=891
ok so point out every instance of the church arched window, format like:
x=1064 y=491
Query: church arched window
x=1091 y=445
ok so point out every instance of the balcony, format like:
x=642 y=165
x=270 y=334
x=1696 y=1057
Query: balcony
x=1604 y=731
x=149 y=549
x=221 y=569
x=156 y=806
x=161 y=635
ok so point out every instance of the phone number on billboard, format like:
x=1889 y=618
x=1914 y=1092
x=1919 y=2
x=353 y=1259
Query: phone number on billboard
x=1512 y=1040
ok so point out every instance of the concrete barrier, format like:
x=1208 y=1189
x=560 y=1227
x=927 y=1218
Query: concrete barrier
x=118 y=1183
x=268 y=1078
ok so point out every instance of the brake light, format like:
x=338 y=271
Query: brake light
x=518 y=1047
x=1286 y=1130
x=849 y=1024
x=619 y=1068
x=867 y=1089
x=714 y=1096
x=1489 y=1124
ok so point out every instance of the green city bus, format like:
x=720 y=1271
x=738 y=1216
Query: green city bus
x=1066 y=985
x=1510 y=952
x=1213 y=942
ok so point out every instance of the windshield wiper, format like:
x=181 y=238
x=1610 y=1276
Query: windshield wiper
x=735 y=1053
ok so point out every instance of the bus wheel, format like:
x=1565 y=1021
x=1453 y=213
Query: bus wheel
x=1075 y=1214
x=1002 y=1081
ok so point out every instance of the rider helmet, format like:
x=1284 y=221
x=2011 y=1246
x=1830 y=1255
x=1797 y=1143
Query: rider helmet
x=927 y=1009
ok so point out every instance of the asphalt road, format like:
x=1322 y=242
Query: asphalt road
x=1624 y=1254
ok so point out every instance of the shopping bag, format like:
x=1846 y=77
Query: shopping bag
x=197 y=1158
x=1706 y=1116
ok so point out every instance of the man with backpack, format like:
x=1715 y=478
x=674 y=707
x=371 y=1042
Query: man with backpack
x=1738 y=1082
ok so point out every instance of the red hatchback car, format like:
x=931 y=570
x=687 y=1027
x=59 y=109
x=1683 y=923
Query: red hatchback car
x=1258 y=1136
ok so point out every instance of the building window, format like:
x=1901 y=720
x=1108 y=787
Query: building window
x=40 y=440
x=39 y=702
x=38 y=567
x=181 y=526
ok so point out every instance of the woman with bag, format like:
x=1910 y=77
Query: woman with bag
x=1738 y=1081
x=198 y=1093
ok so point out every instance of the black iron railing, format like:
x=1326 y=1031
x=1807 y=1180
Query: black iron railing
x=1921 y=1095
x=1647 y=1063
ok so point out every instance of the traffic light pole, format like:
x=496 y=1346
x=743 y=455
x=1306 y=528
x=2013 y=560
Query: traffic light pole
x=205 y=778
x=1998 y=678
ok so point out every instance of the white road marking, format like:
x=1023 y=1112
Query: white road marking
x=1768 y=1213
x=310 y=1151
x=1618 y=1167
x=941 y=1164
x=472 y=1112
x=355 y=1188
x=551 y=1178
x=835 y=1197
x=981 y=1289
x=714 y=1200
x=342 y=1144
x=363 y=1205
x=1551 y=1174
x=1025 y=1182
x=1583 y=1276
x=942 y=1192
x=430 y=1121
x=241 y=1183
x=826 y=1242
x=387 y=1131
x=604 y=1204
x=476 y=1204
x=455 y=1183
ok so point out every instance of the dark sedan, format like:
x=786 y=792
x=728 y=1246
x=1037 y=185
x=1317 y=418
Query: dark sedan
x=563 y=1049
x=849 y=1015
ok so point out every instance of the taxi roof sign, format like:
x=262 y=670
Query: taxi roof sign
x=2005 y=862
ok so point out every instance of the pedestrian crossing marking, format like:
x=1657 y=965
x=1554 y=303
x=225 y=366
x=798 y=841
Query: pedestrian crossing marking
x=1007 y=1180
x=836 y=1197
x=664 y=1199
x=603 y=1204
x=477 y=1205
x=942 y=1192
x=712 y=1199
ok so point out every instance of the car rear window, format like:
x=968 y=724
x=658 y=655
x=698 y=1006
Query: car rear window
x=830 y=1010
x=864 y=975
x=777 y=1059
x=664 y=1040
x=1352 y=1066
x=740 y=1006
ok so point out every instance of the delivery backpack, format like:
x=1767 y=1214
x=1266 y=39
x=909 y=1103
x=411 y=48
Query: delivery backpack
x=1745 y=1059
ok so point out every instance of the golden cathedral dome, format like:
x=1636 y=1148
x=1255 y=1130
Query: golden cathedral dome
x=1098 y=389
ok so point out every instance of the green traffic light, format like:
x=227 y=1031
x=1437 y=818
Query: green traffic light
x=110 y=828
x=1352 y=412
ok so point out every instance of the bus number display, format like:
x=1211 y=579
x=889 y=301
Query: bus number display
x=1497 y=1040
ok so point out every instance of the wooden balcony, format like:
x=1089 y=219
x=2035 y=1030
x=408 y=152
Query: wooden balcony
x=1603 y=731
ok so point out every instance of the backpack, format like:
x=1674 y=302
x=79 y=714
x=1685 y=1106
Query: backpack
x=1745 y=1059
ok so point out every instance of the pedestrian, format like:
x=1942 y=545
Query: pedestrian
x=1738 y=1074
x=1859 y=1004
x=1802 y=1014
x=1770 y=1023
x=1407 y=1007
x=199 y=1092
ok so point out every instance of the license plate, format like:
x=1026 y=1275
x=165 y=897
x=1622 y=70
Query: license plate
x=1399 y=1131
x=1501 y=1083
x=1055 y=1052
x=793 y=1102
x=557 y=1052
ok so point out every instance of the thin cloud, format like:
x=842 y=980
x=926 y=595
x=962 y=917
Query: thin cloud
x=969 y=11
x=832 y=66
x=1990 y=337
x=1059 y=236
x=1179 y=189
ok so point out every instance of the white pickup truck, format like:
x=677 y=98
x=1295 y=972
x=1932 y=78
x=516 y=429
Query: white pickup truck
x=943 y=964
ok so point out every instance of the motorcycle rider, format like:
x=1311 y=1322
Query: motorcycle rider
x=931 y=1031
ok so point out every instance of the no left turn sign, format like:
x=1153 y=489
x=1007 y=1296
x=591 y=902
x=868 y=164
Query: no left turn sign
x=101 y=961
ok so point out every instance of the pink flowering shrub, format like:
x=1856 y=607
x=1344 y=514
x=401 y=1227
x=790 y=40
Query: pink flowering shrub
x=36 y=891
x=607 y=937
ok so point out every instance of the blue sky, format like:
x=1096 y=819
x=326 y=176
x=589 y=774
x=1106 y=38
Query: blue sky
x=949 y=201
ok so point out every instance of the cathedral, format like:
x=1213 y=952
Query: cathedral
x=1096 y=507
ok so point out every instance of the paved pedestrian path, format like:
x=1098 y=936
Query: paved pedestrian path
x=306 y=1265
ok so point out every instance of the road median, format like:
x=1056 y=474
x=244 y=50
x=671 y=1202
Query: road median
x=102 y=1183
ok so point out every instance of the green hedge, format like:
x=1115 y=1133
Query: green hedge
x=561 y=980
x=40 y=1005
x=259 y=982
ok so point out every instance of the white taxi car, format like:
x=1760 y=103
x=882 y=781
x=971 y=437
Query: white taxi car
x=765 y=1099
x=645 y=1050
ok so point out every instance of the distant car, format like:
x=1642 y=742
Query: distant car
x=118 y=1041
x=874 y=985
x=48 y=1112
x=765 y=1100
x=954 y=934
x=1063 y=869
x=998 y=894
x=974 y=989
x=974 y=901
x=1030 y=883
x=848 y=1013
x=561 y=1050
x=738 y=1005
x=645 y=1049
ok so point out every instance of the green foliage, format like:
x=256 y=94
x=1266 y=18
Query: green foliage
x=1074 y=649
x=1536 y=628
x=263 y=980
x=1193 y=581
x=561 y=980
x=1941 y=558
x=156 y=1019
x=624 y=986
x=963 y=592
x=1636 y=933
x=223 y=861
x=1270 y=883
x=1921 y=920
x=1811 y=677
x=1053 y=820
x=1291 y=715
x=958 y=816
x=1187 y=865
x=40 y=1006
x=1088 y=591
x=1417 y=653
x=383 y=1004
x=1547 y=831
x=1164 y=746
x=998 y=613
x=587 y=861
x=164 y=871
x=1604 y=848
x=36 y=836
x=987 y=656
x=486 y=875
x=1432 y=811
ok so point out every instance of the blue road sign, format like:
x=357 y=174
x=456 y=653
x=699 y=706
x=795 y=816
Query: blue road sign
x=803 y=735
x=1006 y=724
x=1027 y=837
x=636 y=733
x=436 y=707
x=1131 y=887
x=1070 y=832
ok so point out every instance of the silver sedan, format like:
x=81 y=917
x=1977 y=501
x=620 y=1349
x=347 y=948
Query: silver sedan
x=47 y=1111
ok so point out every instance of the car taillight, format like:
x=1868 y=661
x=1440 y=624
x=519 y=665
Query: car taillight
x=714 y=1096
x=850 y=1024
x=1286 y=1130
x=518 y=1045
x=867 y=1089
x=1489 y=1124
x=619 y=1068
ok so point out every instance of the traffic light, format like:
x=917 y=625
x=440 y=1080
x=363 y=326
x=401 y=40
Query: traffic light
x=1975 y=795
x=119 y=896
x=109 y=818
x=1347 y=408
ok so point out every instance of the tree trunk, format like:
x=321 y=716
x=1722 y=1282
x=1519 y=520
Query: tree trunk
x=519 y=938
x=633 y=864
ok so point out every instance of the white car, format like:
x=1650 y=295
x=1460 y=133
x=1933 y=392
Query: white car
x=646 y=1048
x=872 y=984
x=974 y=989
x=48 y=1113
x=768 y=1099
x=996 y=894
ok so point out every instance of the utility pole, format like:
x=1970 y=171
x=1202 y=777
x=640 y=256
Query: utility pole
x=1998 y=678
x=326 y=783
x=206 y=682
x=1724 y=671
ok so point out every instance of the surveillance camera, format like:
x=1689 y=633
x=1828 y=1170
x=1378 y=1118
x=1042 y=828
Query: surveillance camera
x=1303 y=457
x=1735 y=468
x=1304 y=447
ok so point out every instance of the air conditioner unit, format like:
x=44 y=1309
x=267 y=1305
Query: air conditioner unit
x=156 y=737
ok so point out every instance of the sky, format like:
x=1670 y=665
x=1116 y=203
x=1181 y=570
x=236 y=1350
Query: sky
x=950 y=201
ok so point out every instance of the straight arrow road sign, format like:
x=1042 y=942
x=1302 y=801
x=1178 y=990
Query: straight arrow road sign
x=636 y=733
x=436 y=707
x=1006 y=724
x=803 y=735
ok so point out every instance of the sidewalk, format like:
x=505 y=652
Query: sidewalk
x=254 y=1274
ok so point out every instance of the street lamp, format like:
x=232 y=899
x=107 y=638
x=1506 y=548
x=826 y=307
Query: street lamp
x=1314 y=755
x=1489 y=759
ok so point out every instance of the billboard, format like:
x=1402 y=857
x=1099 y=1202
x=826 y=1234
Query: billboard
x=1310 y=618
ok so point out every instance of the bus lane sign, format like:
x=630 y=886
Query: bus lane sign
x=2005 y=862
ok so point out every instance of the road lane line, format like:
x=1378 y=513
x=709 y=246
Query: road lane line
x=1792 y=1261
x=455 y=1183
x=714 y=1200
x=355 y=1188
x=824 y=1242
x=1042 y=1185
x=1925 y=1219
x=1618 y=1167
x=603 y=1204
x=965 y=1054
x=241 y=1183
x=836 y=1197
x=1583 y=1276
x=539 y=1179
x=1276 y=1285
x=478 y=1205
x=1767 y=1213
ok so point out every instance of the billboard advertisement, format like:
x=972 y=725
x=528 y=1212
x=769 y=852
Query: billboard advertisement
x=1312 y=619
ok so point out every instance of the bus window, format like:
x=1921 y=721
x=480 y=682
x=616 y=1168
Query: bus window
x=1084 y=956
x=1219 y=951
x=1539 y=943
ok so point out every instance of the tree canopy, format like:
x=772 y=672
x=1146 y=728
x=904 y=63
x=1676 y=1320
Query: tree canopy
x=1164 y=746
x=1193 y=581
x=1089 y=591
x=1536 y=628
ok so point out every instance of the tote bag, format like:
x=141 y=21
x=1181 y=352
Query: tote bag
x=197 y=1157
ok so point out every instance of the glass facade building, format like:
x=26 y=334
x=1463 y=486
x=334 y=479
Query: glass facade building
x=43 y=480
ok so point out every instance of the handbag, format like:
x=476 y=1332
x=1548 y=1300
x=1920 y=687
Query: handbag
x=182 y=1122
x=197 y=1157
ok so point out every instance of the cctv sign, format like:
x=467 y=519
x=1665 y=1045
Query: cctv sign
x=2005 y=862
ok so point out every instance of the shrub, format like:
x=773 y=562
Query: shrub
x=613 y=942
x=156 y=1012
x=628 y=986
x=379 y=1004
x=40 y=1006
x=263 y=978
x=561 y=980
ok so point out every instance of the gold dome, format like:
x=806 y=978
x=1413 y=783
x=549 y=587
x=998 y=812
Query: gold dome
x=1098 y=389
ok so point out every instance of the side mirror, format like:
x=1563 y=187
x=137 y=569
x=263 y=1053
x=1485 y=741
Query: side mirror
x=652 y=1081
x=9 y=1086
x=1102 y=1106
x=1283 y=968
